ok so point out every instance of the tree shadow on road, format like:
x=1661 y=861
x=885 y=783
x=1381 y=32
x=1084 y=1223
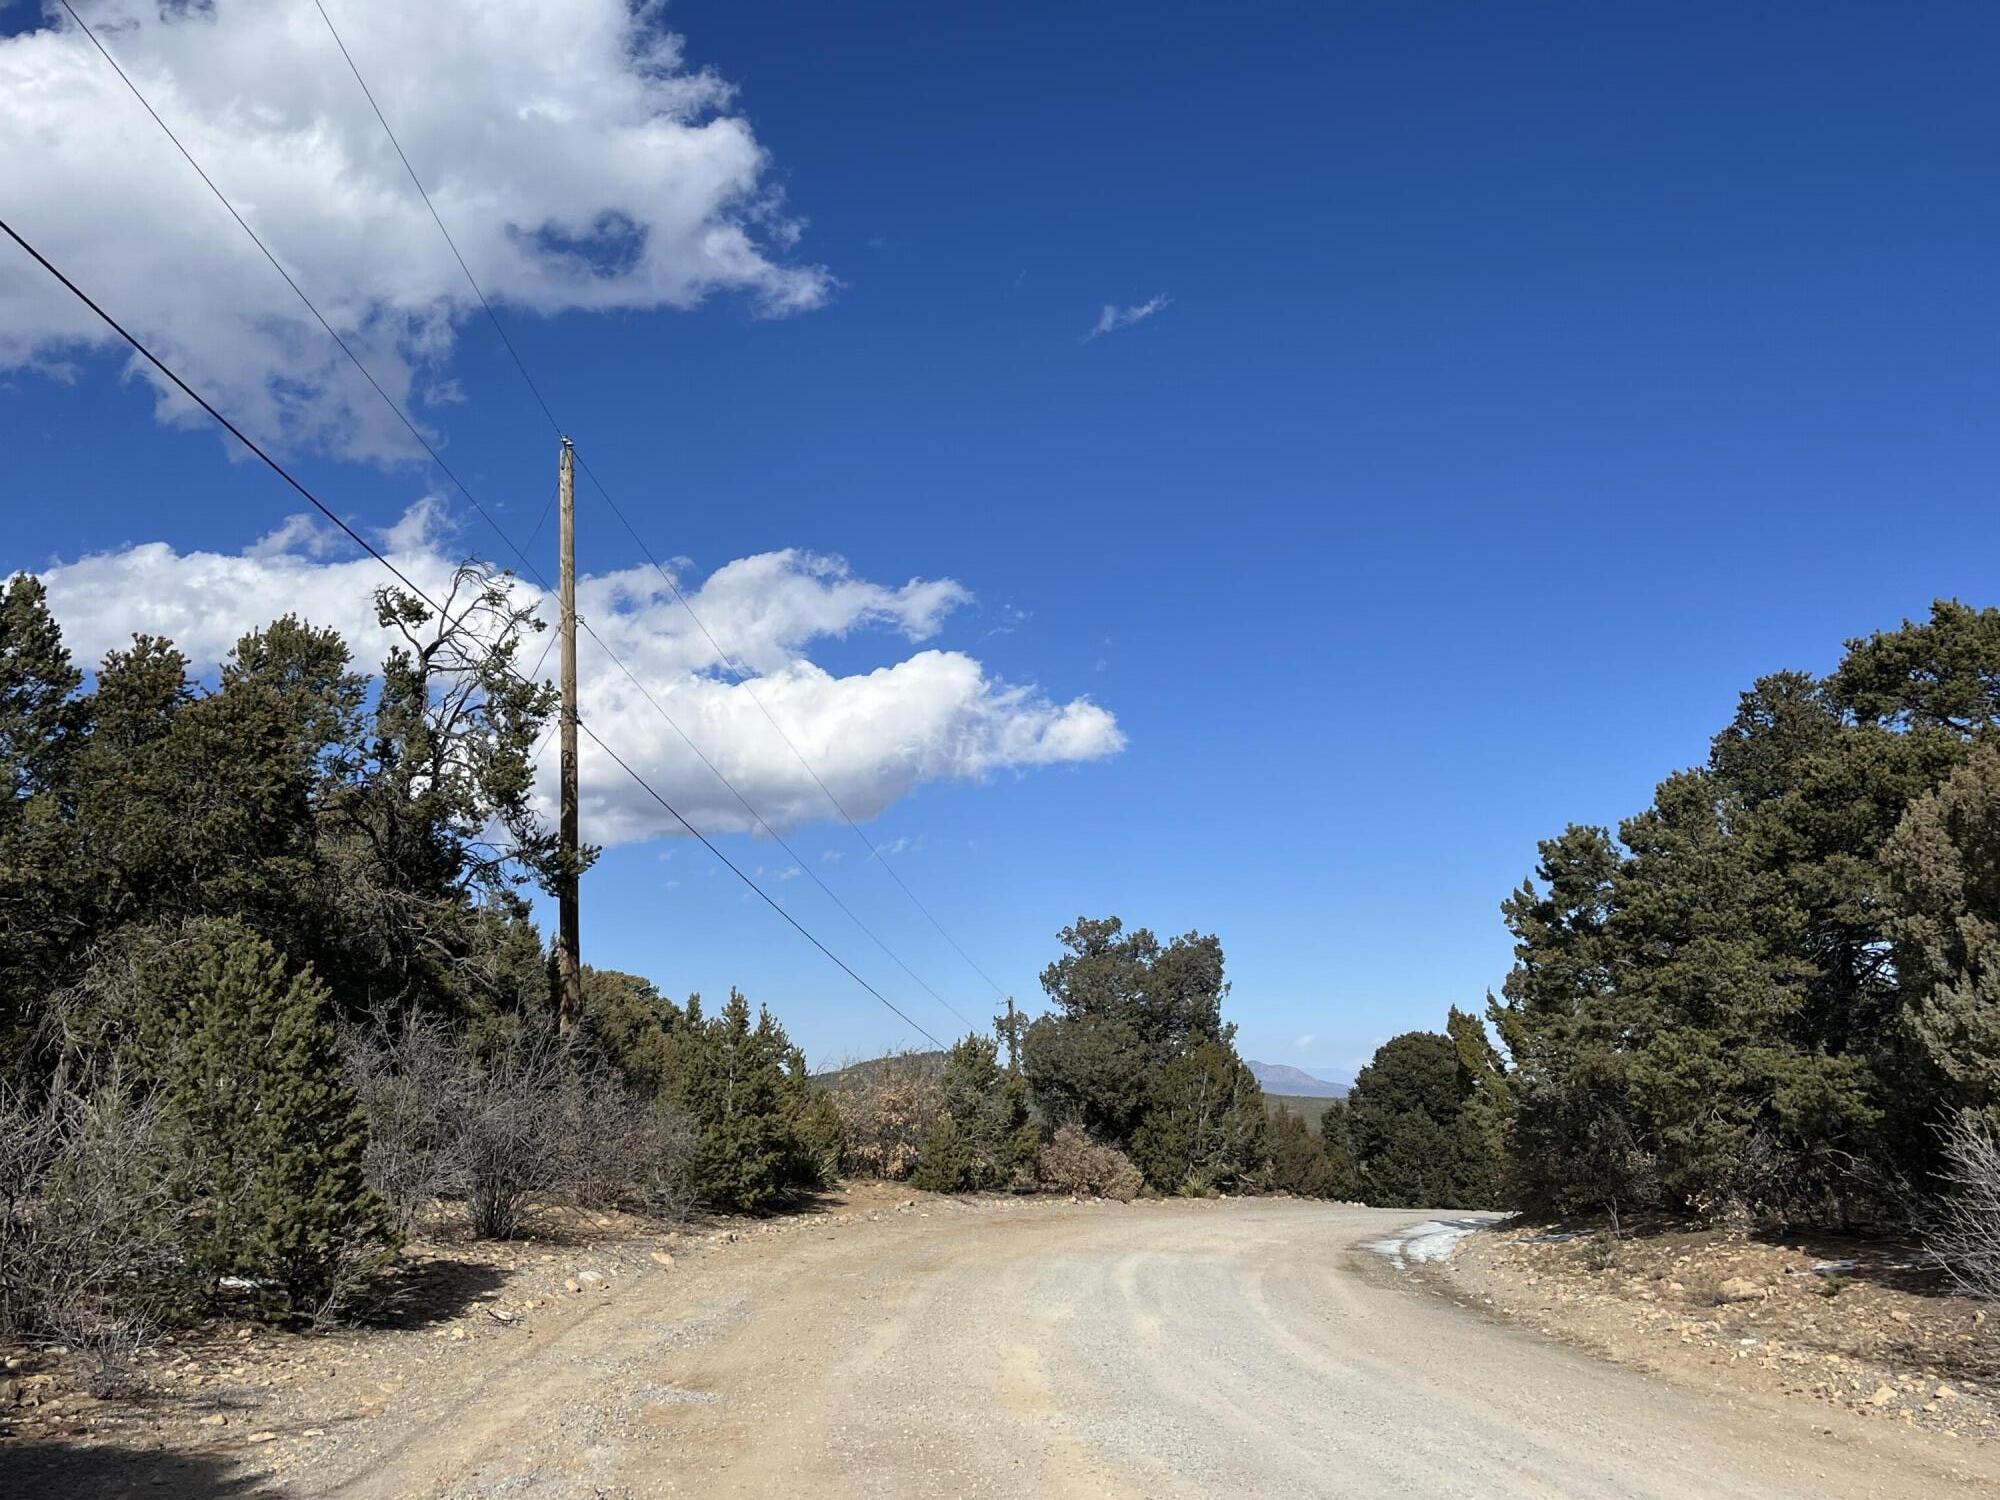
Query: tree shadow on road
x=53 y=1467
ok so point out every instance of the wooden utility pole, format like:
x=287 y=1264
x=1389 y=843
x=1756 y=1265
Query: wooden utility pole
x=569 y=951
x=1013 y=1030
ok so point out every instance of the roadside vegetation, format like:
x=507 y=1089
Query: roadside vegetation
x=1769 y=1000
x=272 y=1004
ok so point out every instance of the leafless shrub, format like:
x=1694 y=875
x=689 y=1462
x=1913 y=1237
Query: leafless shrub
x=512 y=1122
x=409 y=1075
x=94 y=1223
x=888 y=1109
x=662 y=1161
x=1073 y=1163
x=1964 y=1230
x=627 y=1151
x=510 y=1127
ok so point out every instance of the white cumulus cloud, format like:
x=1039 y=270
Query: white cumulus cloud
x=931 y=714
x=580 y=162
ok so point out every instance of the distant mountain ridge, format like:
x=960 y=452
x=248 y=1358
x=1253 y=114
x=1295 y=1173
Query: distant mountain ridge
x=1283 y=1078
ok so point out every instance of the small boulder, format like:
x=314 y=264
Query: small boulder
x=590 y=1280
x=1740 y=1289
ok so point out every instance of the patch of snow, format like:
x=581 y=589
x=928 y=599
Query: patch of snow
x=1434 y=1239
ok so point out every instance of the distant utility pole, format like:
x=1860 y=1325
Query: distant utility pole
x=1010 y=1028
x=569 y=951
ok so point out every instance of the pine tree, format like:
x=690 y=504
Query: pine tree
x=984 y=1138
x=45 y=893
x=762 y=1131
x=252 y=1080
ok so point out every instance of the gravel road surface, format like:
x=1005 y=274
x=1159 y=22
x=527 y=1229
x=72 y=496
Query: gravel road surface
x=1246 y=1348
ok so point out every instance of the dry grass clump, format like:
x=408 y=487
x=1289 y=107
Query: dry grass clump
x=1073 y=1163
x=887 y=1112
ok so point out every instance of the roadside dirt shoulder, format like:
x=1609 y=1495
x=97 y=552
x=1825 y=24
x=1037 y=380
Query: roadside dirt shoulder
x=234 y=1408
x=1859 y=1329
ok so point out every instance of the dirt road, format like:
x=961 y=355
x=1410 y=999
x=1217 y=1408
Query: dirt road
x=1182 y=1348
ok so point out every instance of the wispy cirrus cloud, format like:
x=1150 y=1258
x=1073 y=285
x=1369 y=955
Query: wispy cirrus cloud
x=1114 y=317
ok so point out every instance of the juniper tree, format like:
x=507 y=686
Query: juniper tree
x=1945 y=859
x=1205 y=1123
x=1299 y=1161
x=1338 y=1142
x=1127 y=1008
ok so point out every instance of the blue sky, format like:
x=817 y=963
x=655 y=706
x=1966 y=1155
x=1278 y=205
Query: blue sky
x=1530 y=380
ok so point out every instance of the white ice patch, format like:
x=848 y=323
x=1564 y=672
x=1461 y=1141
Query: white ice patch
x=1434 y=1239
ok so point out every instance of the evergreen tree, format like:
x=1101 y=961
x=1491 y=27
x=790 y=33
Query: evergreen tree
x=1299 y=1160
x=1126 y=1006
x=1205 y=1123
x=250 y=1074
x=984 y=1138
x=44 y=887
x=629 y=1023
x=1337 y=1139
x=761 y=1127
x=1940 y=674
x=1426 y=1119
x=1564 y=1023
x=1415 y=1165
x=1480 y=1144
x=1945 y=858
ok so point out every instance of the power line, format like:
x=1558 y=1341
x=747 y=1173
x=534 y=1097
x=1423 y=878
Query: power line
x=743 y=681
x=311 y=307
x=499 y=530
x=800 y=862
x=436 y=218
x=742 y=673
x=319 y=505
